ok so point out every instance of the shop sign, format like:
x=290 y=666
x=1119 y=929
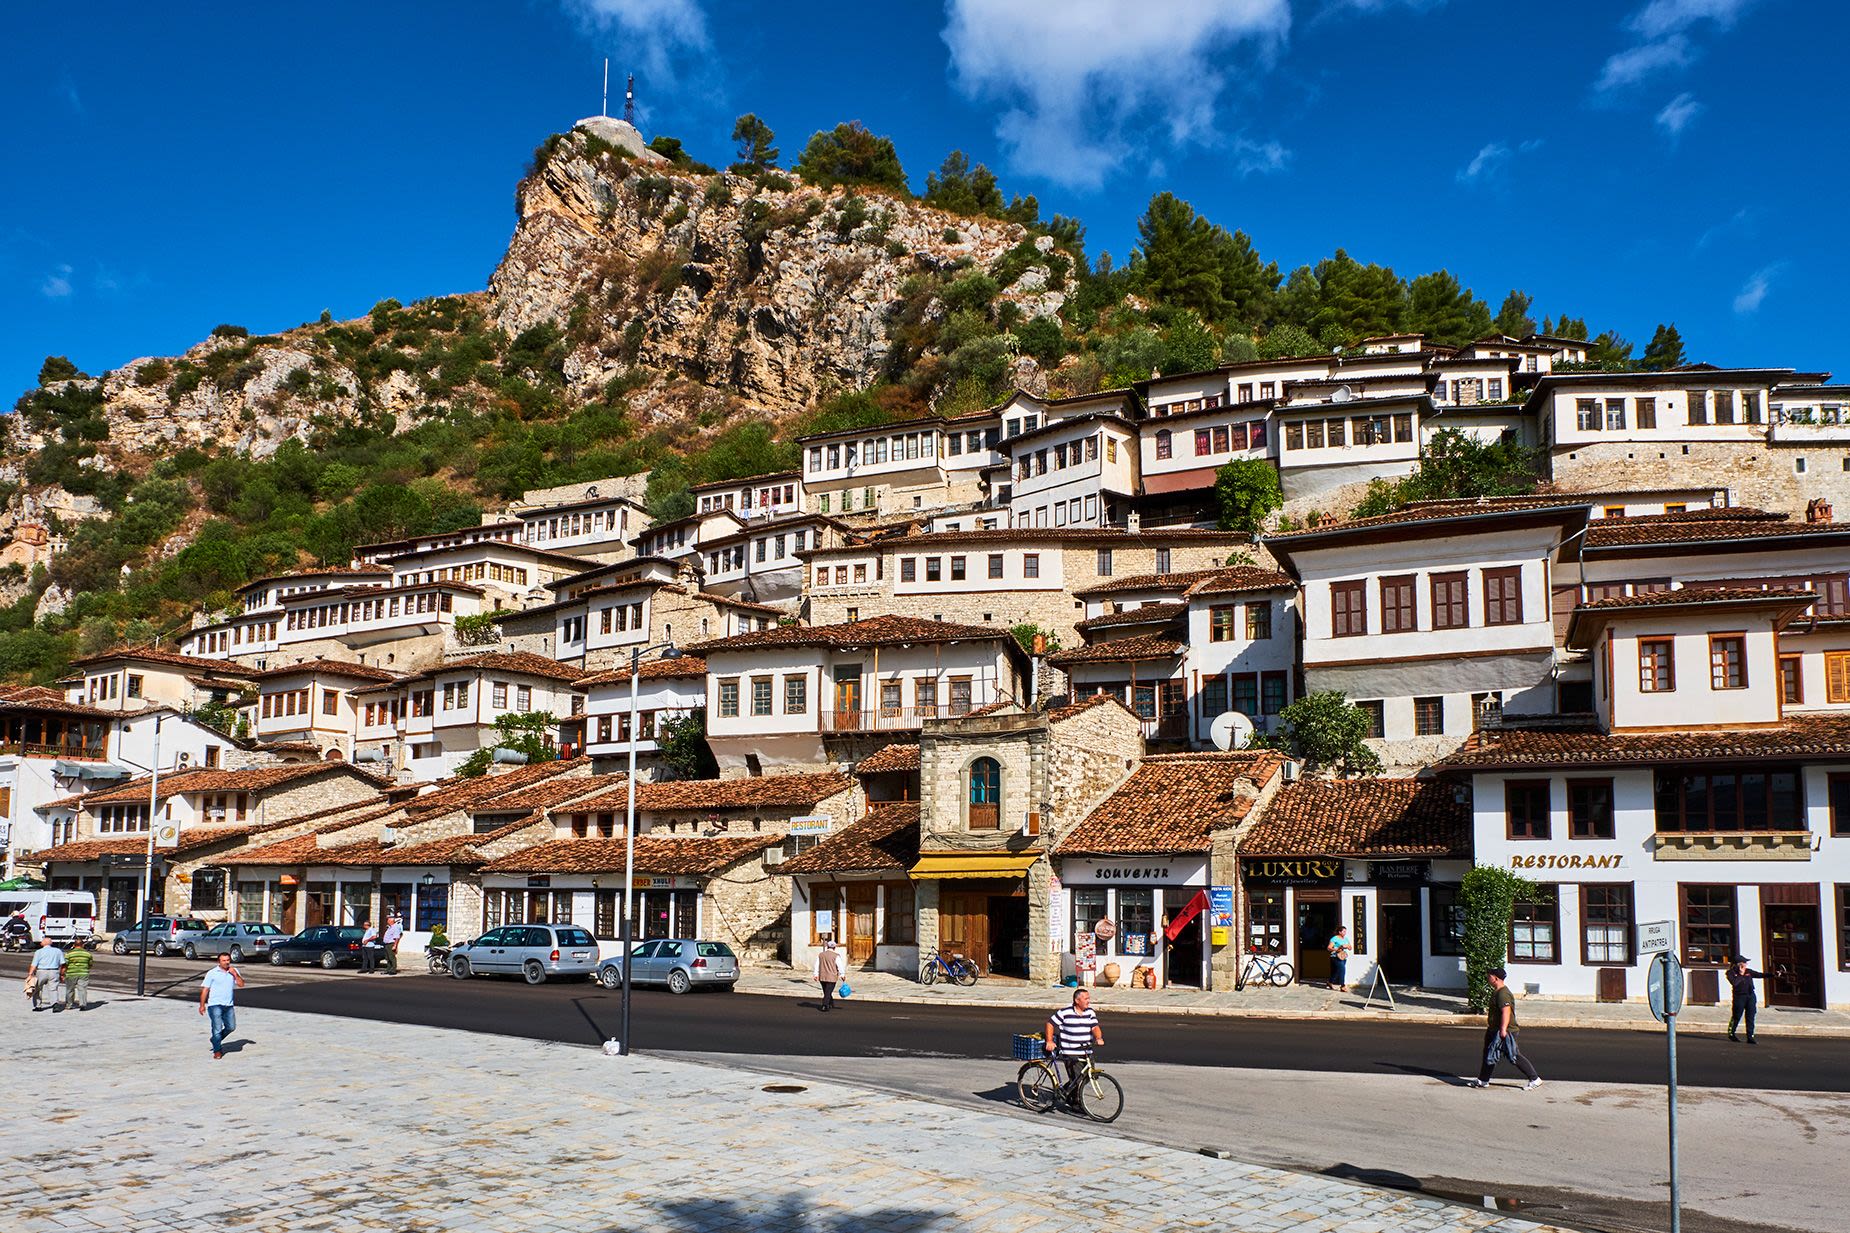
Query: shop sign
x=663 y=881
x=1567 y=860
x=541 y=879
x=1294 y=871
x=1387 y=873
x=1220 y=914
x=812 y=824
x=1056 y=912
x=1155 y=871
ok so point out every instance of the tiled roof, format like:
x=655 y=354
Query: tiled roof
x=1363 y=817
x=892 y=758
x=1124 y=650
x=39 y=698
x=1148 y=614
x=1798 y=738
x=1103 y=537
x=761 y=792
x=1174 y=803
x=651 y=670
x=154 y=655
x=547 y=793
x=328 y=667
x=1437 y=511
x=509 y=661
x=462 y=792
x=191 y=839
x=307 y=848
x=887 y=838
x=685 y=855
x=203 y=780
x=876 y=631
x=1178 y=583
x=1241 y=579
x=448 y=850
x=1688 y=596
x=1059 y=714
x=1636 y=532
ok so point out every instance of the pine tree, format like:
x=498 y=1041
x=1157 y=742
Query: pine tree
x=1665 y=349
x=961 y=189
x=754 y=137
x=1444 y=311
x=1513 y=319
x=849 y=154
x=1184 y=261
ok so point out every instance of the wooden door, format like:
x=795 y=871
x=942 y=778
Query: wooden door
x=1316 y=923
x=1399 y=938
x=1794 y=956
x=860 y=924
x=847 y=697
x=963 y=927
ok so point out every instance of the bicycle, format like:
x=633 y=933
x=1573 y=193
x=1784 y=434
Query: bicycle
x=956 y=969
x=1261 y=967
x=1042 y=1088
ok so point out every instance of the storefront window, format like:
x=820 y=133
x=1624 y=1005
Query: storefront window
x=1535 y=930
x=1136 y=921
x=395 y=899
x=901 y=915
x=561 y=907
x=433 y=906
x=1708 y=925
x=1448 y=921
x=250 y=901
x=606 y=924
x=208 y=890
x=1088 y=910
x=1606 y=925
x=356 y=903
x=1266 y=922
x=684 y=904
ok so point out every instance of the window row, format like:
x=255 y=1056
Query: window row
x=1657 y=666
x=499 y=692
x=1073 y=512
x=284 y=703
x=1362 y=429
x=1220 y=439
x=1224 y=623
x=620 y=618
x=868 y=497
x=1066 y=454
x=1449 y=608
x=874 y=450
x=976 y=440
x=584 y=522
x=367 y=610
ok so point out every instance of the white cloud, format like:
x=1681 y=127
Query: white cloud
x=1635 y=64
x=1661 y=17
x=1677 y=114
x=57 y=284
x=1740 y=221
x=1755 y=289
x=655 y=32
x=1492 y=158
x=1664 y=26
x=1252 y=157
x=1083 y=92
x=67 y=88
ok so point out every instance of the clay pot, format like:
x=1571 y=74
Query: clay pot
x=1109 y=973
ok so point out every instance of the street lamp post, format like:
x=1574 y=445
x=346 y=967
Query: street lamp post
x=629 y=834
x=147 y=867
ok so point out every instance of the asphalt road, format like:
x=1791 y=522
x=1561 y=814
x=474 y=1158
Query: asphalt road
x=728 y=1023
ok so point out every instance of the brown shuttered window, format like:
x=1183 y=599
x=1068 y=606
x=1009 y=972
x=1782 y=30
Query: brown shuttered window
x=1503 y=596
x=1348 y=609
x=1397 y=604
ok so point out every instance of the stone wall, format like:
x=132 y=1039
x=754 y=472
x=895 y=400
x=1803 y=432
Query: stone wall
x=1762 y=475
x=1089 y=756
x=748 y=908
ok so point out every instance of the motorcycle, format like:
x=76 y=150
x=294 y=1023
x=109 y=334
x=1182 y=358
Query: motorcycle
x=439 y=957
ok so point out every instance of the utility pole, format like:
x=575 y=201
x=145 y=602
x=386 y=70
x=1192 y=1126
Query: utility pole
x=604 y=109
x=629 y=102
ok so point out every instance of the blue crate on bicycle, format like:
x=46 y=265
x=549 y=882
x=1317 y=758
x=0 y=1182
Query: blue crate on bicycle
x=1027 y=1048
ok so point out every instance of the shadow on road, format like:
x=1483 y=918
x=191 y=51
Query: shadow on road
x=791 y=1211
x=1447 y=1077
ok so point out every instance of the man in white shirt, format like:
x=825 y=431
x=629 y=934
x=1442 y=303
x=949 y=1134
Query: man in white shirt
x=45 y=975
x=369 y=948
x=394 y=930
x=215 y=1002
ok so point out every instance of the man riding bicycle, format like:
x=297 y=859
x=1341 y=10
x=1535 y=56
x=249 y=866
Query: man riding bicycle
x=1071 y=1033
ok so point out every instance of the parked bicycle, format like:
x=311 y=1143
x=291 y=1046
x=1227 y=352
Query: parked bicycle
x=1262 y=968
x=957 y=969
x=1042 y=1087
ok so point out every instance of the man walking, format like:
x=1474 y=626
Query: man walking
x=1741 y=979
x=1339 y=958
x=369 y=948
x=215 y=1002
x=828 y=971
x=77 y=977
x=1500 y=1035
x=394 y=930
x=43 y=975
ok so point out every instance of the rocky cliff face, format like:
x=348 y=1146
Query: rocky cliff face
x=777 y=292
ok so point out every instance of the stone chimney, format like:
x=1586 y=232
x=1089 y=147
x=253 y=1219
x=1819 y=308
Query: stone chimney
x=1817 y=510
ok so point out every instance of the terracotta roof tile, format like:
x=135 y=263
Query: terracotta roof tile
x=652 y=670
x=51 y=701
x=1638 y=532
x=1241 y=579
x=1060 y=713
x=660 y=854
x=1363 y=817
x=510 y=661
x=1437 y=511
x=1178 y=582
x=329 y=667
x=1174 y=803
x=887 y=838
x=257 y=779
x=1687 y=596
x=1798 y=738
x=448 y=850
x=154 y=655
x=762 y=792
x=876 y=631
x=1147 y=614
x=1123 y=650
x=892 y=758
x=1102 y=537
x=461 y=792
x=191 y=839
x=547 y=793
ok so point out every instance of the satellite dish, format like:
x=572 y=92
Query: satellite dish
x=1231 y=730
x=1341 y=393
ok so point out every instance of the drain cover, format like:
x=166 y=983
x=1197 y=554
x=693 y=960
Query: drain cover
x=785 y=1089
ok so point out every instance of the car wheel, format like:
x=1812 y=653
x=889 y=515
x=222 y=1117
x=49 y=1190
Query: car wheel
x=237 y=954
x=190 y=951
x=610 y=977
x=534 y=971
x=678 y=982
x=329 y=960
x=120 y=946
x=276 y=958
x=459 y=968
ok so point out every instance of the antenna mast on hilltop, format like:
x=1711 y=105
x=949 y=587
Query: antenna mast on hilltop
x=605 y=109
x=629 y=102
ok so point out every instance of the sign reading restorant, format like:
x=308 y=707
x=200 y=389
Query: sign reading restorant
x=812 y=824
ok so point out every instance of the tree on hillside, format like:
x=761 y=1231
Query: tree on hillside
x=1287 y=341
x=962 y=189
x=1188 y=345
x=1610 y=353
x=1246 y=490
x=1441 y=309
x=1665 y=350
x=756 y=153
x=1328 y=734
x=1184 y=261
x=527 y=733
x=1341 y=301
x=1513 y=319
x=1566 y=327
x=1454 y=465
x=849 y=154
x=57 y=368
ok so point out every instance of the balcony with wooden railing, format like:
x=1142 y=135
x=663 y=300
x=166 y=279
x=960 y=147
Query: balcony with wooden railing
x=887 y=718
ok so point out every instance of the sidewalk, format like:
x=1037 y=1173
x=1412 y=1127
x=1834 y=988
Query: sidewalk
x=320 y=1123
x=1292 y=1002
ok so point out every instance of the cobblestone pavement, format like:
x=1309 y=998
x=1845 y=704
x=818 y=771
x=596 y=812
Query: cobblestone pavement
x=123 y=1122
x=1298 y=1002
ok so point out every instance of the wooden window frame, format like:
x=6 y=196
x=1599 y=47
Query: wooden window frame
x=1400 y=612
x=1791 y=673
x=1840 y=822
x=1436 y=702
x=1435 y=918
x=1547 y=819
x=1611 y=809
x=1631 y=925
x=1493 y=609
x=1442 y=587
x=1842 y=924
x=1348 y=601
x=1646 y=675
x=1553 y=910
x=726 y=683
x=1716 y=679
x=1224 y=623
x=1734 y=941
x=1842 y=692
x=1376 y=710
x=1259 y=621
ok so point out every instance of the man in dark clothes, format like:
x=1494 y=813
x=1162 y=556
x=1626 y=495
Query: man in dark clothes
x=1500 y=1035
x=1742 y=978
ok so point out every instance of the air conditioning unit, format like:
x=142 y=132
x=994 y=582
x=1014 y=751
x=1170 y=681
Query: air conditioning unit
x=1292 y=770
x=773 y=857
x=388 y=836
x=1031 y=824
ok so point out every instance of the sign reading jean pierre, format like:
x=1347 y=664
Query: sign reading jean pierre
x=1294 y=871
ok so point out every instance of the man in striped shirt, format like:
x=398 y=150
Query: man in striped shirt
x=1072 y=1031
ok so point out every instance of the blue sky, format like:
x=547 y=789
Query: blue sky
x=175 y=166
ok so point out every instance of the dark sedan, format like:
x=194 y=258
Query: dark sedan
x=331 y=946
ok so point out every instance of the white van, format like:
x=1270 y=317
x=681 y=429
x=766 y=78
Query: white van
x=56 y=916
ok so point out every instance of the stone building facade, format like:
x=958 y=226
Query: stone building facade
x=1770 y=474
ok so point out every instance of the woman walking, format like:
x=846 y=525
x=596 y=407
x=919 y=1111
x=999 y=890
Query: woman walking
x=828 y=971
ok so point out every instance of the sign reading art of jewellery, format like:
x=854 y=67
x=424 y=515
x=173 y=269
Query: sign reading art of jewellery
x=1294 y=871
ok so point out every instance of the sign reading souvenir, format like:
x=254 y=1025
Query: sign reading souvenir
x=1220 y=914
x=812 y=824
x=1293 y=871
x=1150 y=871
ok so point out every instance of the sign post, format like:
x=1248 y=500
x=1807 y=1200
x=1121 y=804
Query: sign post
x=1664 y=988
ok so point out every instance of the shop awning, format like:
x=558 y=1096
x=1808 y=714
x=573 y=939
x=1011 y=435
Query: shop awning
x=974 y=865
x=88 y=770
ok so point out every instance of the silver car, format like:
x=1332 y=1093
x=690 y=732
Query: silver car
x=536 y=952
x=161 y=935
x=236 y=938
x=679 y=963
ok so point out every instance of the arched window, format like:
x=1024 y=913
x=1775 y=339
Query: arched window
x=1163 y=446
x=985 y=794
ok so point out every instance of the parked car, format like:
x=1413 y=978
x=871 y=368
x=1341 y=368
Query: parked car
x=56 y=916
x=331 y=946
x=161 y=935
x=679 y=963
x=236 y=938
x=536 y=952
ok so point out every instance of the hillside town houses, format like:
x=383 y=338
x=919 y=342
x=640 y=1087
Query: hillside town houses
x=958 y=680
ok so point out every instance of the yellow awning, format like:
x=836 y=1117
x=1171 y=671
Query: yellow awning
x=974 y=865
